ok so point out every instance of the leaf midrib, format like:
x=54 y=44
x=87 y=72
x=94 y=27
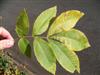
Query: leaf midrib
x=43 y=52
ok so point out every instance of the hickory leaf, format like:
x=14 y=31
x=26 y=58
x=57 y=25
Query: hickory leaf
x=73 y=39
x=42 y=22
x=22 y=25
x=24 y=46
x=65 y=21
x=60 y=42
x=44 y=55
x=67 y=58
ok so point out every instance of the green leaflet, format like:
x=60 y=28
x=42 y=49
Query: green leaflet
x=73 y=39
x=65 y=21
x=67 y=58
x=24 y=47
x=44 y=55
x=22 y=26
x=42 y=22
